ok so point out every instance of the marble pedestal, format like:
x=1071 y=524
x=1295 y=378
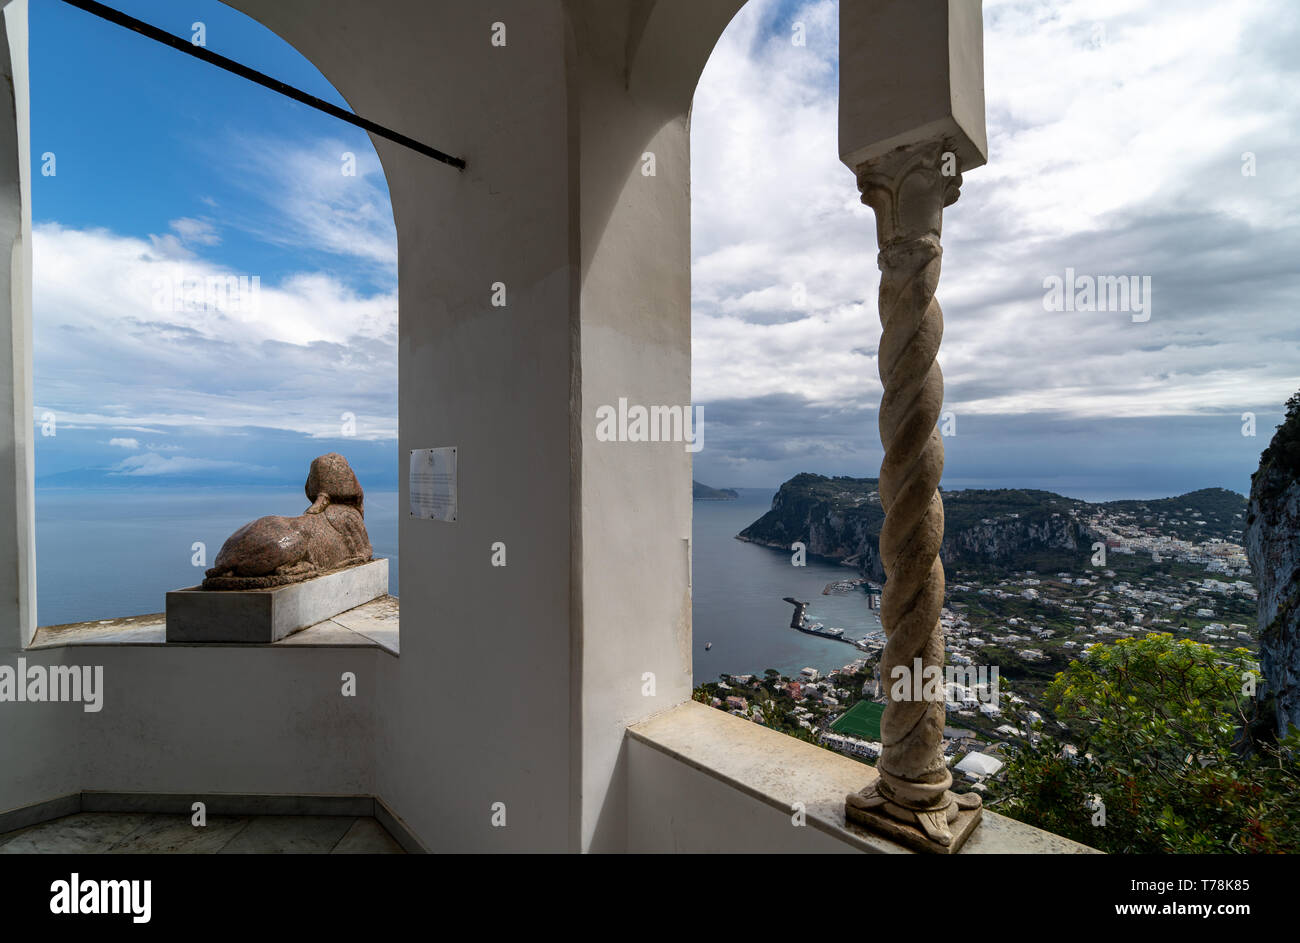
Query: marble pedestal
x=268 y=615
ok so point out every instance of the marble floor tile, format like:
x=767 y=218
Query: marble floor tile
x=367 y=837
x=290 y=835
x=84 y=833
x=175 y=835
x=149 y=833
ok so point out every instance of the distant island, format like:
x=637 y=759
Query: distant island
x=705 y=493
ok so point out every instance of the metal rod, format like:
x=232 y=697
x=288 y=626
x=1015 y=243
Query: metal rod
x=119 y=18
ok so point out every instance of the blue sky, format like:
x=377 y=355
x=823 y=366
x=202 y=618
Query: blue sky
x=1116 y=129
x=145 y=135
x=167 y=170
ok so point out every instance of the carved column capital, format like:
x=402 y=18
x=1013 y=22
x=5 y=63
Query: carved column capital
x=908 y=188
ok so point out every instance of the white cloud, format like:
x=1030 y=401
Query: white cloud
x=1116 y=132
x=131 y=444
x=150 y=464
x=301 y=198
x=95 y=277
x=312 y=349
x=195 y=231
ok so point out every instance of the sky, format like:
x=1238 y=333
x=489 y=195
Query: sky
x=168 y=171
x=1116 y=129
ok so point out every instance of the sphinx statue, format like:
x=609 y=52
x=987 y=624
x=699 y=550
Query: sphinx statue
x=329 y=535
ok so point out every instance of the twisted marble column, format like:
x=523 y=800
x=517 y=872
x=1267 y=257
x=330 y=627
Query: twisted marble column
x=908 y=189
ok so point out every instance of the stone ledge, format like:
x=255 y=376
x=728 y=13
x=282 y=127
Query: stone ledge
x=372 y=625
x=780 y=770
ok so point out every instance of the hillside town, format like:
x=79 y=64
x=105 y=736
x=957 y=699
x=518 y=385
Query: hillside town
x=1147 y=569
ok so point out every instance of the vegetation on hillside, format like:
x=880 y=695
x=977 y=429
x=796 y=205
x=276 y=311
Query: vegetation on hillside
x=1280 y=463
x=1158 y=723
x=1197 y=515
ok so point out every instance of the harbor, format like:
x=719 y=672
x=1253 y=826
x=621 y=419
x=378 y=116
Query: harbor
x=845 y=587
x=740 y=622
x=800 y=623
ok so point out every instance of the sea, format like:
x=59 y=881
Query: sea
x=106 y=553
x=738 y=588
x=103 y=554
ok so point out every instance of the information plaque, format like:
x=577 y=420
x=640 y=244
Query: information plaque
x=433 y=484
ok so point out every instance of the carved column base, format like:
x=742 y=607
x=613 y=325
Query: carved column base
x=941 y=829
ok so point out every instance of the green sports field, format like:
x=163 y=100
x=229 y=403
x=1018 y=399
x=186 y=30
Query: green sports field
x=862 y=720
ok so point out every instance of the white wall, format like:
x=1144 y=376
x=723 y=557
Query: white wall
x=228 y=720
x=637 y=81
x=37 y=754
x=676 y=808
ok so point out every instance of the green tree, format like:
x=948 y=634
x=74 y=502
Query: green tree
x=1155 y=721
x=1284 y=449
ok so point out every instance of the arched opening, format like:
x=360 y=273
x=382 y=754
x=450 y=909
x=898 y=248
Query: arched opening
x=214 y=304
x=783 y=340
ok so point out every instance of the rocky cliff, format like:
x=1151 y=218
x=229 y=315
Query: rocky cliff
x=836 y=518
x=1273 y=545
x=840 y=519
x=1006 y=540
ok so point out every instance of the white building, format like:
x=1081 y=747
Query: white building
x=979 y=766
